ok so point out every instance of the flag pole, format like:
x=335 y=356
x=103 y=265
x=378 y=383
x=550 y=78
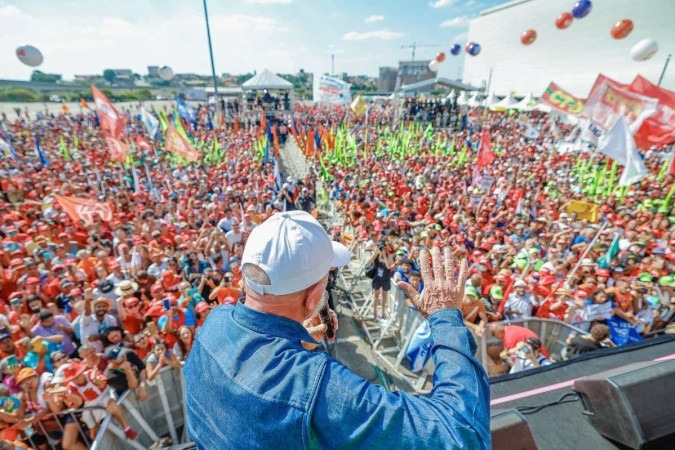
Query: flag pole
x=213 y=66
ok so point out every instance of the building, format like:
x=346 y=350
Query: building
x=386 y=82
x=410 y=72
x=573 y=57
x=153 y=71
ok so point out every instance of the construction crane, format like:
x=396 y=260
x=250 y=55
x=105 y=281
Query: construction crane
x=415 y=46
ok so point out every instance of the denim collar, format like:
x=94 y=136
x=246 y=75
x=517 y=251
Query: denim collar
x=270 y=324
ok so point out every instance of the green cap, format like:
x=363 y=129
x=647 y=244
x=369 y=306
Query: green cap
x=471 y=291
x=424 y=234
x=438 y=226
x=645 y=277
x=668 y=280
x=497 y=292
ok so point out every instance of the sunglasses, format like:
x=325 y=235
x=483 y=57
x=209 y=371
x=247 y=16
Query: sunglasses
x=58 y=360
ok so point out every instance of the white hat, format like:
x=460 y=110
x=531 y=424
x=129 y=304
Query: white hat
x=520 y=283
x=289 y=179
x=295 y=252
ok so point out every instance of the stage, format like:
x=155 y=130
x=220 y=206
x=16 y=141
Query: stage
x=563 y=426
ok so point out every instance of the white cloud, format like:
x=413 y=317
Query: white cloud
x=371 y=19
x=385 y=35
x=459 y=21
x=441 y=3
x=269 y=2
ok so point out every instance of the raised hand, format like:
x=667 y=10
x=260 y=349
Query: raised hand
x=442 y=289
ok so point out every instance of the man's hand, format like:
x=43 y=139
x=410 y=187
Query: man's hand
x=317 y=330
x=441 y=289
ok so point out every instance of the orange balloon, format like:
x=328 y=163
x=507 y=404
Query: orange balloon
x=622 y=28
x=528 y=37
x=440 y=57
x=564 y=20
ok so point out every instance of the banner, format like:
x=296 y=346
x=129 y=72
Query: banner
x=583 y=210
x=358 y=105
x=175 y=143
x=609 y=101
x=85 y=209
x=110 y=118
x=331 y=90
x=562 y=100
x=118 y=149
x=660 y=127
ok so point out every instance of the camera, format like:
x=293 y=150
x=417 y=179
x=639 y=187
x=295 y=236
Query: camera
x=380 y=245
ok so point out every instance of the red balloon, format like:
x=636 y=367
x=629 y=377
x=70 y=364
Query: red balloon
x=564 y=20
x=622 y=28
x=528 y=37
x=440 y=57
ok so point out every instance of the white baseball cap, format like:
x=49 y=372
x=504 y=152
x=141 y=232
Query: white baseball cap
x=295 y=252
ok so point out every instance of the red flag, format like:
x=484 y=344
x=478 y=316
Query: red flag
x=263 y=122
x=176 y=144
x=236 y=125
x=118 y=149
x=275 y=140
x=85 y=209
x=143 y=144
x=84 y=104
x=485 y=153
x=659 y=128
x=110 y=118
x=671 y=169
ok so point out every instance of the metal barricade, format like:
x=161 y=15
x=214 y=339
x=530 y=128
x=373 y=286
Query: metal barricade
x=161 y=415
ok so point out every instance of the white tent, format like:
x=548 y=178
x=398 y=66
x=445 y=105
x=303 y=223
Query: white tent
x=491 y=100
x=526 y=104
x=266 y=80
x=451 y=96
x=474 y=101
x=463 y=98
x=506 y=103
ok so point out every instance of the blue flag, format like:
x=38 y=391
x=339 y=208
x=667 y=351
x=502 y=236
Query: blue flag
x=184 y=111
x=41 y=154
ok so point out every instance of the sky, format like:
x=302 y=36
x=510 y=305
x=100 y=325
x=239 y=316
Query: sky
x=88 y=36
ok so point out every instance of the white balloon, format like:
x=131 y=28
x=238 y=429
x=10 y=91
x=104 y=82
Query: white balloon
x=166 y=73
x=644 y=50
x=29 y=55
x=433 y=65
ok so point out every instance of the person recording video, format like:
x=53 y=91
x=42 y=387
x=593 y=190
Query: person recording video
x=252 y=380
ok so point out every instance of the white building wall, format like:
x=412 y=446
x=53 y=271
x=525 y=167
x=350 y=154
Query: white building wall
x=573 y=57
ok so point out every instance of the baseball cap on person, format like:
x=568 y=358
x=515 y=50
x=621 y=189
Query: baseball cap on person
x=293 y=250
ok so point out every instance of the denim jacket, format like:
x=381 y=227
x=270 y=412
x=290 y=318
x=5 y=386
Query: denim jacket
x=251 y=385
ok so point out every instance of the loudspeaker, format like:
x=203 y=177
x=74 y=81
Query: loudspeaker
x=631 y=405
x=510 y=431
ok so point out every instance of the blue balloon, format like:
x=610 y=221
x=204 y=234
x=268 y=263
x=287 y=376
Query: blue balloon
x=582 y=8
x=473 y=48
x=456 y=49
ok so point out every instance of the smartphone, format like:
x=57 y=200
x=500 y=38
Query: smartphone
x=325 y=318
x=167 y=304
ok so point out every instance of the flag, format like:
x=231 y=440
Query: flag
x=134 y=177
x=84 y=104
x=109 y=117
x=150 y=122
x=583 y=210
x=278 y=179
x=118 y=149
x=85 y=209
x=605 y=261
x=175 y=143
x=331 y=90
x=4 y=139
x=184 y=111
x=64 y=149
x=562 y=100
x=619 y=145
x=358 y=105
x=40 y=153
x=671 y=169
x=609 y=100
x=485 y=153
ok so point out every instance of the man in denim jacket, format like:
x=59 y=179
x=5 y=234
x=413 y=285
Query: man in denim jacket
x=252 y=384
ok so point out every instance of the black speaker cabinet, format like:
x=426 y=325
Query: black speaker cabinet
x=510 y=431
x=633 y=405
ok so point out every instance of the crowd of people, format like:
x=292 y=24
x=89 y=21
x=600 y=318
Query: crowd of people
x=94 y=308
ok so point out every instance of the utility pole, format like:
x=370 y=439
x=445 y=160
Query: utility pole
x=332 y=65
x=665 y=66
x=213 y=66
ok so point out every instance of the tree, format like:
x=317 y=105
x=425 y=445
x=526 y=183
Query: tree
x=109 y=75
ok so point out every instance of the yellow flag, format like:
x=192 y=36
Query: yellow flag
x=583 y=210
x=358 y=105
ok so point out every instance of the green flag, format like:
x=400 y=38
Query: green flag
x=613 y=250
x=64 y=149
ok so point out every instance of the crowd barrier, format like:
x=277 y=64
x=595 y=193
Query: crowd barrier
x=161 y=415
